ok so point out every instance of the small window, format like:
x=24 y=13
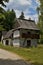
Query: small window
x=28 y=32
x=28 y=43
x=7 y=42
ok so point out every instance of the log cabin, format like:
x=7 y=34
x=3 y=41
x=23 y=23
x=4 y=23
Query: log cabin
x=24 y=34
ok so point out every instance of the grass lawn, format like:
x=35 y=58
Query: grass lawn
x=33 y=55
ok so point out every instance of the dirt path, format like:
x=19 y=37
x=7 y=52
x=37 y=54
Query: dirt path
x=8 y=58
x=8 y=55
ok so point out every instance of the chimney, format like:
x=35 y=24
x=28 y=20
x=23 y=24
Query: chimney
x=31 y=20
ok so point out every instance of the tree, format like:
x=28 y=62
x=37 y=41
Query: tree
x=9 y=19
x=2 y=2
x=22 y=16
x=2 y=17
x=2 y=11
x=40 y=23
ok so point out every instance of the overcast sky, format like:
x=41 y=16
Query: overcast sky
x=27 y=6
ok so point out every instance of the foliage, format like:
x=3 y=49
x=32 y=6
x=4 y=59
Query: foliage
x=2 y=2
x=40 y=23
x=9 y=19
x=6 y=17
x=22 y=16
x=2 y=11
x=2 y=18
x=1 y=28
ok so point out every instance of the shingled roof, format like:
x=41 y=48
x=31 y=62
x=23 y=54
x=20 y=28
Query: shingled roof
x=22 y=24
x=9 y=33
x=26 y=24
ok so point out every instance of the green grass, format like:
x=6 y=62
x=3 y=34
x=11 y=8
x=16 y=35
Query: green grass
x=34 y=55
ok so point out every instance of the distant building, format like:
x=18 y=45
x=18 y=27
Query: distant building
x=24 y=34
